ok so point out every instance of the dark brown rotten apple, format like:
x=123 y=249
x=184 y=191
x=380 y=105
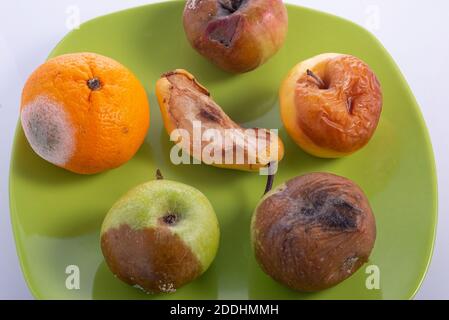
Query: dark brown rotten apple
x=313 y=232
x=237 y=35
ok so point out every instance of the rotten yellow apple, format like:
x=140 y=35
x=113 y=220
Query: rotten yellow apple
x=331 y=104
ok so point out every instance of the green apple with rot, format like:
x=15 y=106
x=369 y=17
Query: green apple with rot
x=160 y=235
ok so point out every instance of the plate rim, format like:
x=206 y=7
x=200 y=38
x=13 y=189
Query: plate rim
x=416 y=106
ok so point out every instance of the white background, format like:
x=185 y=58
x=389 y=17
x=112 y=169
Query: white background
x=415 y=32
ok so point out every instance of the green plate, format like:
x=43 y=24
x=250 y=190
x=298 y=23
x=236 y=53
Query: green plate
x=57 y=215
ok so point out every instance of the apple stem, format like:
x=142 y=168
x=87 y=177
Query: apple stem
x=170 y=218
x=270 y=180
x=227 y=7
x=159 y=175
x=230 y=5
x=321 y=83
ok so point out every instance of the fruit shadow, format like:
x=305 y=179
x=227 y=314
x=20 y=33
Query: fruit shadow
x=70 y=204
x=144 y=43
x=69 y=224
x=298 y=160
x=374 y=177
x=262 y=287
x=248 y=101
x=234 y=252
x=106 y=286
x=29 y=166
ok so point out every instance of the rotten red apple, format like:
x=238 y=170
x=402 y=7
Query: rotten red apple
x=236 y=35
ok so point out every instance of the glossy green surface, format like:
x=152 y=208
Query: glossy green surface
x=57 y=215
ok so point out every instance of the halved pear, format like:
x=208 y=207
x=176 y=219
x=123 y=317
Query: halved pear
x=205 y=131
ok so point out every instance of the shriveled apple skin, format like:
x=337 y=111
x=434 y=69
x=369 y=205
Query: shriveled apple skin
x=313 y=232
x=239 y=41
x=144 y=249
x=340 y=118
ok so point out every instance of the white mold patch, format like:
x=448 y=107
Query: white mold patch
x=48 y=130
x=192 y=4
x=166 y=287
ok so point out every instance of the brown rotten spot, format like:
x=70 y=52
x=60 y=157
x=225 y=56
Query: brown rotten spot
x=183 y=101
x=313 y=232
x=153 y=258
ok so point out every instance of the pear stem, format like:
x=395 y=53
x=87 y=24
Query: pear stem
x=159 y=175
x=270 y=180
x=321 y=83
